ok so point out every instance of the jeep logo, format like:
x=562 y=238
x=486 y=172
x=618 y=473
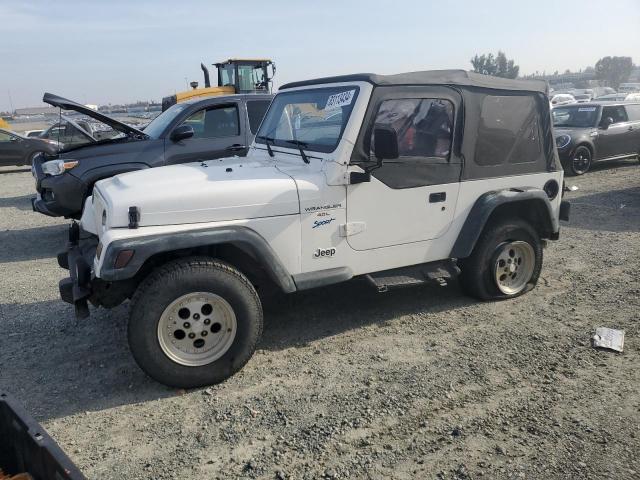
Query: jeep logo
x=324 y=252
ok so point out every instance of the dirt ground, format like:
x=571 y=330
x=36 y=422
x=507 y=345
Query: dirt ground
x=349 y=383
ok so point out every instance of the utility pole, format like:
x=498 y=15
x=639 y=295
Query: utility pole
x=10 y=101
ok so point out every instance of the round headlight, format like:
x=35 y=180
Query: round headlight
x=562 y=141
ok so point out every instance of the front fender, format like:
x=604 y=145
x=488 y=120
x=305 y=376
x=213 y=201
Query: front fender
x=147 y=246
x=487 y=203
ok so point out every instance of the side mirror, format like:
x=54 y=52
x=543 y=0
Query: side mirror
x=385 y=143
x=182 y=132
x=606 y=122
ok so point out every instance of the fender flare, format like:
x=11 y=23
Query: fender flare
x=145 y=247
x=486 y=204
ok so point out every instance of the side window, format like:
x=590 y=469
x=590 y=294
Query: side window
x=633 y=112
x=256 y=110
x=215 y=122
x=424 y=126
x=618 y=113
x=508 y=131
x=4 y=137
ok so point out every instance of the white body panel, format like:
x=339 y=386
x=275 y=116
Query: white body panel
x=200 y=192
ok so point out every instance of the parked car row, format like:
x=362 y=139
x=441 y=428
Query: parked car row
x=565 y=98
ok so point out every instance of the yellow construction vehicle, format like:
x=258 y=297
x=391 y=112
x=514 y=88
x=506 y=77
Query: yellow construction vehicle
x=236 y=75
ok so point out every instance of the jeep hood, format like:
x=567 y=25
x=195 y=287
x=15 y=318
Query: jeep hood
x=56 y=101
x=235 y=189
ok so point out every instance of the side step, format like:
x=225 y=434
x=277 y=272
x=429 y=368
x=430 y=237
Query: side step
x=439 y=272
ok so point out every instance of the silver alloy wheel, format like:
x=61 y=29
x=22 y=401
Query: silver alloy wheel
x=197 y=329
x=514 y=266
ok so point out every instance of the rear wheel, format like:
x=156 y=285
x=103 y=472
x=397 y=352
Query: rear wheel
x=505 y=263
x=580 y=161
x=194 y=322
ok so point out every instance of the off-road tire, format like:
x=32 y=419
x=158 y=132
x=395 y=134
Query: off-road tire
x=181 y=277
x=478 y=279
x=570 y=166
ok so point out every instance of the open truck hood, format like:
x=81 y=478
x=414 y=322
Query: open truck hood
x=56 y=101
x=235 y=189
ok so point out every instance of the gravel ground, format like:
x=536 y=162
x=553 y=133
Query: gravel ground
x=348 y=383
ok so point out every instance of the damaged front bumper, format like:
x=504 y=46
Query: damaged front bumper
x=78 y=259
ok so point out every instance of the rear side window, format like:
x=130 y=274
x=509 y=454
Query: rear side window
x=508 y=131
x=633 y=112
x=618 y=113
x=215 y=122
x=256 y=110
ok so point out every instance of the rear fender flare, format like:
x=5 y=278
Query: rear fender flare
x=486 y=205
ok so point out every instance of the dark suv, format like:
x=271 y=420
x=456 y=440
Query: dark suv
x=201 y=129
x=590 y=132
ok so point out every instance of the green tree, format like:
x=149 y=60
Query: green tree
x=615 y=70
x=498 y=65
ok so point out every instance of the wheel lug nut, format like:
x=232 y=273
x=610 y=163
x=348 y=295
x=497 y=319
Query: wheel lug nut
x=192 y=335
x=207 y=321
x=186 y=325
x=204 y=333
x=196 y=316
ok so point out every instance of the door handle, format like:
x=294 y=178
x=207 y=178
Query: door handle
x=236 y=147
x=437 y=197
x=630 y=128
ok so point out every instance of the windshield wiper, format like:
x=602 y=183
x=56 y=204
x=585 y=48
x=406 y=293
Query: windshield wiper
x=300 y=146
x=266 y=141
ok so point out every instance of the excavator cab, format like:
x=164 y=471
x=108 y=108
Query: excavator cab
x=234 y=76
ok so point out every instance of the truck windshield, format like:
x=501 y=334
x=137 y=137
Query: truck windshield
x=575 y=116
x=162 y=121
x=315 y=117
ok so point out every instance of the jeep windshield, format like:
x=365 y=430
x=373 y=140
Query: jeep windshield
x=314 y=118
x=575 y=116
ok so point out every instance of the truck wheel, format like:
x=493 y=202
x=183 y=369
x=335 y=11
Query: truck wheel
x=194 y=322
x=505 y=262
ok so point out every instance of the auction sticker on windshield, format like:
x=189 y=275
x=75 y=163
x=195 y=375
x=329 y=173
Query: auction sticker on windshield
x=587 y=109
x=340 y=99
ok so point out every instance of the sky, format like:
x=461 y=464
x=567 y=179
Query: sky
x=118 y=51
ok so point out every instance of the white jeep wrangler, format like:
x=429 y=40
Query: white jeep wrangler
x=400 y=179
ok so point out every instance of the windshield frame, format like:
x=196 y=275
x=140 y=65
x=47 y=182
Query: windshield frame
x=261 y=134
x=598 y=112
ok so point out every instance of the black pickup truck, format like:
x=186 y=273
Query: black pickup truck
x=25 y=448
x=199 y=129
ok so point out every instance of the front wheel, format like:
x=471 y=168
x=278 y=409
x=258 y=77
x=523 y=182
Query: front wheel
x=194 y=322
x=505 y=263
x=580 y=161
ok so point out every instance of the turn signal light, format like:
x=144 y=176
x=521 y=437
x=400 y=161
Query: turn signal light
x=123 y=258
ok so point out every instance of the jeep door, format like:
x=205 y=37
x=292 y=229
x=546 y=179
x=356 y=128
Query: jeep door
x=617 y=139
x=411 y=198
x=219 y=131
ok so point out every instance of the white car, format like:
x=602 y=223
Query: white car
x=423 y=177
x=562 y=99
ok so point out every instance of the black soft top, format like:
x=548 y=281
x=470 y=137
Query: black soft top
x=432 y=77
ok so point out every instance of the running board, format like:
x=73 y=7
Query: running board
x=439 y=273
